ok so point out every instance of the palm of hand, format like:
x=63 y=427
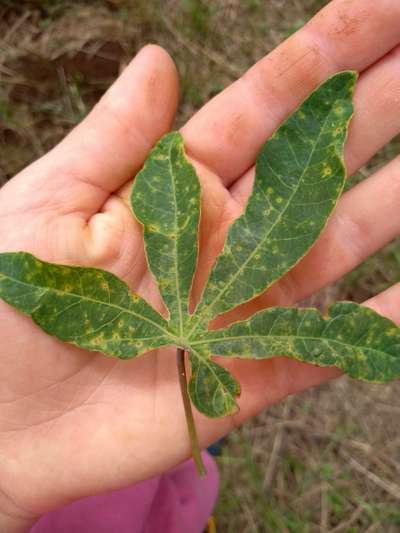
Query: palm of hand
x=77 y=408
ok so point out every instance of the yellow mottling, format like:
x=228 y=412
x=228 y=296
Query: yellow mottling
x=153 y=228
x=338 y=109
x=302 y=115
x=275 y=250
x=327 y=171
x=98 y=339
x=360 y=356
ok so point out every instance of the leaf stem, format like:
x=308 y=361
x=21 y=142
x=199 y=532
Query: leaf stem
x=180 y=358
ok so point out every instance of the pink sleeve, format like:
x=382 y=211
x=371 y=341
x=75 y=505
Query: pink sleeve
x=175 y=502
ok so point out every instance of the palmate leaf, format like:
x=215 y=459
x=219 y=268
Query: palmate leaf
x=299 y=177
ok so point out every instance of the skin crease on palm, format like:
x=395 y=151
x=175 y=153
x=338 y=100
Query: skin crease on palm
x=74 y=423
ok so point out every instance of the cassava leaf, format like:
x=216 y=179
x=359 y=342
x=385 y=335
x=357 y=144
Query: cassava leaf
x=212 y=389
x=299 y=176
x=88 y=307
x=354 y=338
x=166 y=200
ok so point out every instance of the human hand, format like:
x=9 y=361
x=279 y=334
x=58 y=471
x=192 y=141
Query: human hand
x=64 y=411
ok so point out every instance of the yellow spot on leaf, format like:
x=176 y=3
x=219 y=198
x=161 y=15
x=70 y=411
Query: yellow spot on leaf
x=327 y=171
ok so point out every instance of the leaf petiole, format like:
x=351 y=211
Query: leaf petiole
x=180 y=358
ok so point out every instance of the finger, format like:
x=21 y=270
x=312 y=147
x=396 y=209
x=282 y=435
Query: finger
x=229 y=131
x=387 y=303
x=110 y=145
x=366 y=219
x=377 y=111
x=376 y=119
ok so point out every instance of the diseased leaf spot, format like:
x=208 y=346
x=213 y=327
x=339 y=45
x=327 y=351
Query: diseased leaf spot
x=153 y=228
x=338 y=110
x=327 y=170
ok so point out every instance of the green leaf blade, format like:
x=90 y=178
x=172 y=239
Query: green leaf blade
x=166 y=201
x=299 y=176
x=212 y=389
x=88 y=307
x=354 y=338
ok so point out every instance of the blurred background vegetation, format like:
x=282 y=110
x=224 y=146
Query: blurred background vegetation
x=324 y=461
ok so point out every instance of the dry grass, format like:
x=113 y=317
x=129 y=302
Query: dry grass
x=55 y=61
x=327 y=460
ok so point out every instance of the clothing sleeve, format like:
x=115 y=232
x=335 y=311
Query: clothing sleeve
x=176 y=502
